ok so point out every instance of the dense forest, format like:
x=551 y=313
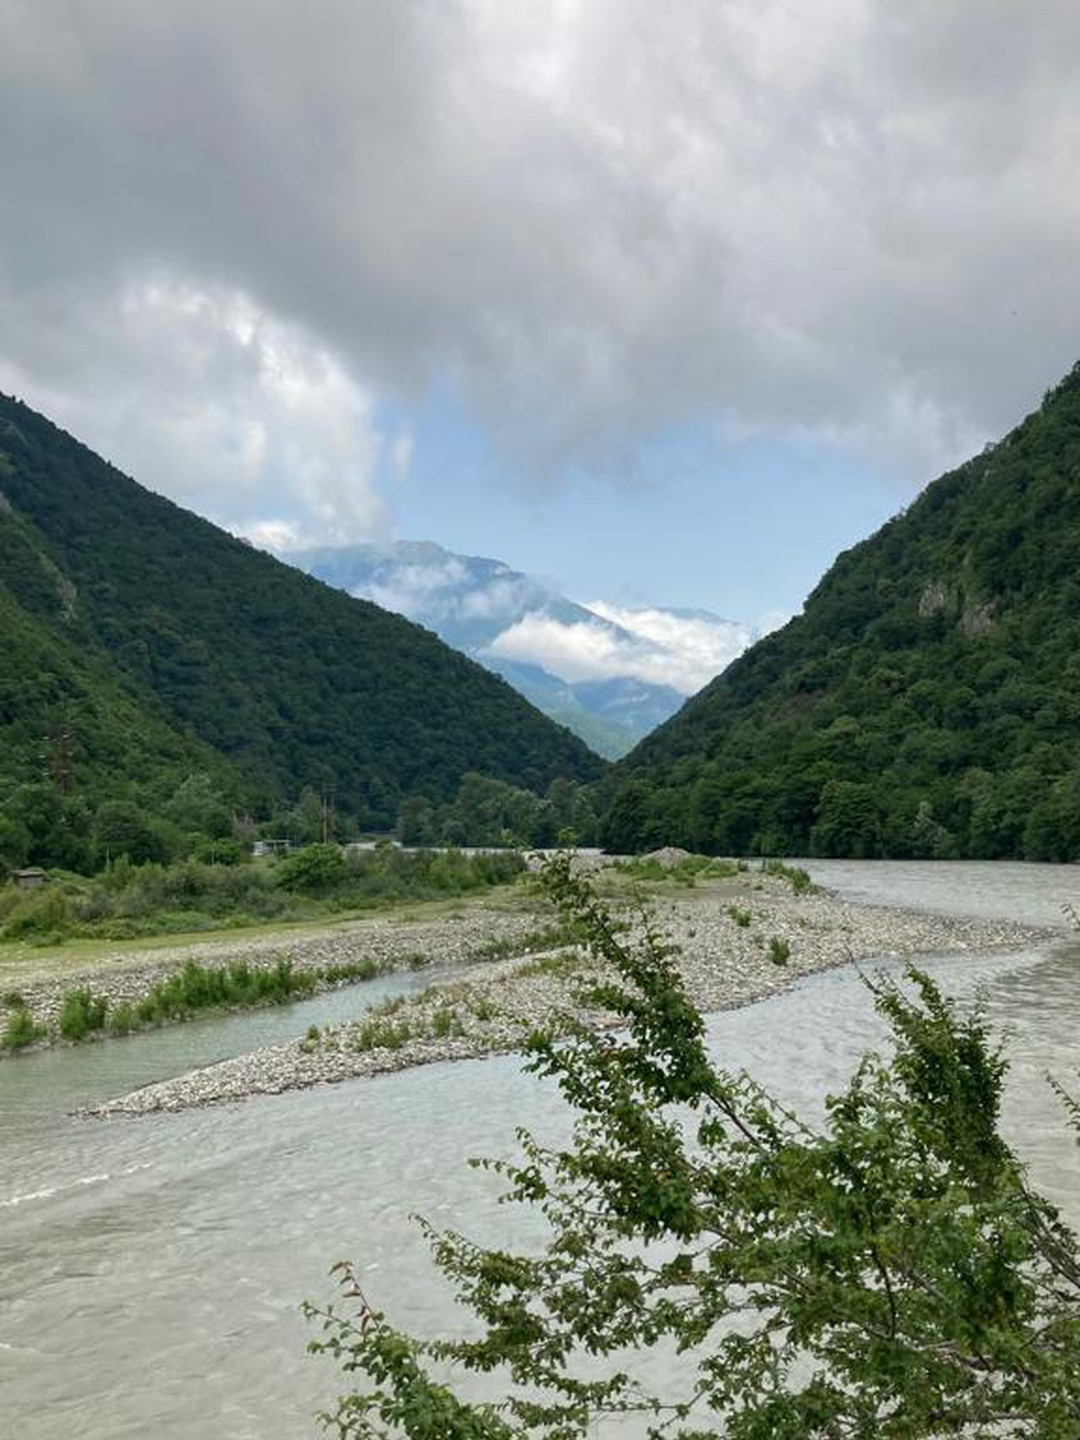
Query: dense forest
x=926 y=702
x=162 y=679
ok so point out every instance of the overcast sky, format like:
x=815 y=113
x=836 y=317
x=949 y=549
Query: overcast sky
x=665 y=303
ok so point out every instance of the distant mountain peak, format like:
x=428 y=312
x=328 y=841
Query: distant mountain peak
x=556 y=651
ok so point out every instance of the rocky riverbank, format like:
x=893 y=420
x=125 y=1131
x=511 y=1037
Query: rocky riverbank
x=739 y=939
x=381 y=943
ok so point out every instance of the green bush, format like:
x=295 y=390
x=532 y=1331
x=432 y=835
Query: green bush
x=445 y=1023
x=21 y=1030
x=795 y=875
x=81 y=1014
x=315 y=870
x=883 y=1272
x=382 y=1033
x=40 y=915
x=779 y=950
x=122 y=1018
x=200 y=987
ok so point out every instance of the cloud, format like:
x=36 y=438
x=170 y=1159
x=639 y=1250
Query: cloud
x=418 y=591
x=657 y=646
x=594 y=221
x=201 y=395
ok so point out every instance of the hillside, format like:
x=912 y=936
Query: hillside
x=140 y=642
x=926 y=702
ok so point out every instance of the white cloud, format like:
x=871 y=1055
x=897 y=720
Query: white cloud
x=417 y=590
x=653 y=645
x=200 y=395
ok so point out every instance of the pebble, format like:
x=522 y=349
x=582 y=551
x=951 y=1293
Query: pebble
x=724 y=964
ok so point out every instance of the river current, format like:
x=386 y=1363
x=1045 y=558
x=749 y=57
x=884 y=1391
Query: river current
x=151 y=1270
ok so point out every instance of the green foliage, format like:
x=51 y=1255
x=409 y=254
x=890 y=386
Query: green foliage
x=382 y=1033
x=741 y=916
x=39 y=916
x=82 y=1013
x=492 y=812
x=924 y=704
x=20 y=1030
x=779 y=950
x=197 y=988
x=122 y=1018
x=315 y=870
x=153 y=661
x=128 y=900
x=890 y=1275
x=686 y=872
x=795 y=875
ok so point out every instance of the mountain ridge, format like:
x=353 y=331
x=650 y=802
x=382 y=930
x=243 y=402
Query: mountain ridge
x=233 y=661
x=925 y=702
x=490 y=611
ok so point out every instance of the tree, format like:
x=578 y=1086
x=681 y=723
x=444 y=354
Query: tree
x=892 y=1276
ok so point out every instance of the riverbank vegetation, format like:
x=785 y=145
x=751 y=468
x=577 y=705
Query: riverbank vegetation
x=887 y=1273
x=127 y=901
x=190 y=991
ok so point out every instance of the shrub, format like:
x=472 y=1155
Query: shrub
x=445 y=1023
x=315 y=870
x=39 y=917
x=21 y=1030
x=779 y=950
x=740 y=916
x=381 y=1033
x=889 y=1273
x=122 y=1018
x=81 y=1014
x=795 y=875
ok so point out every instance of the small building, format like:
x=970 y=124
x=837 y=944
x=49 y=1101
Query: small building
x=29 y=879
x=270 y=847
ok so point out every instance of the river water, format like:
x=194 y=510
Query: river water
x=151 y=1270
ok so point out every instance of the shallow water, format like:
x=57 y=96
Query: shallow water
x=151 y=1270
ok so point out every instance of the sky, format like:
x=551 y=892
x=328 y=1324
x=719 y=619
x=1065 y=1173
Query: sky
x=665 y=304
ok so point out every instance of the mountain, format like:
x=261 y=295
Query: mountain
x=926 y=702
x=140 y=642
x=525 y=631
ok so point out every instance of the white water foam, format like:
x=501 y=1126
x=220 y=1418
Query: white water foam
x=80 y=1181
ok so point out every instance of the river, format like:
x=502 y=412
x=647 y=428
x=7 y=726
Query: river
x=151 y=1270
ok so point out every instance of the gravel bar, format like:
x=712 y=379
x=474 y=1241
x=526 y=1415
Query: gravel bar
x=724 y=931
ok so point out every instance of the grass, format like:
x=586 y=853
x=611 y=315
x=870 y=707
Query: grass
x=795 y=875
x=545 y=938
x=779 y=950
x=20 y=1031
x=560 y=963
x=24 y=965
x=192 y=990
x=686 y=873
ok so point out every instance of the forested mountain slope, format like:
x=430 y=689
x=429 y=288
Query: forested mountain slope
x=926 y=702
x=139 y=640
x=475 y=603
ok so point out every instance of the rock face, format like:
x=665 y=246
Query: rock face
x=729 y=934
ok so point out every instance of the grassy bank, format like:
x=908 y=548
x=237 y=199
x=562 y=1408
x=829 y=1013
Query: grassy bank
x=192 y=990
